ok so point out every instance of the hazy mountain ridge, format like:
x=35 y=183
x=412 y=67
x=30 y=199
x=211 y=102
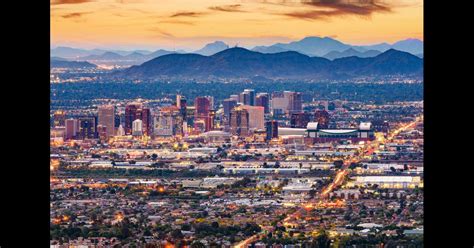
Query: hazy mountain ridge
x=243 y=63
x=58 y=63
x=325 y=44
x=320 y=46
x=351 y=52
x=212 y=48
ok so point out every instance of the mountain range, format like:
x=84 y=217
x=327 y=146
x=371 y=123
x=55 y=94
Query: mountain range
x=135 y=58
x=311 y=46
x=242 y=63
x=351 y=52
x=124 y=58
x=61 y=63
x=75 y=53
x=320 y=46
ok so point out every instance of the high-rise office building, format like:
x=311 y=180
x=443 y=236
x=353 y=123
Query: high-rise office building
x=87 y=127
x=131 y=114
x=145 y=117
x=211 y=102
x=134 y=111
x=300 y=120
x=279 y=103
x=106 y=118
x=181 y=103
x=263 y=100
x=295 y=102
x=168 y=122
x=72 y=127
x=286 y=102
x=137 y=127
x=59 y=118
x=202 y=109
x=248 y=97
x=228 y=105
x=271 y=129
x=178 y=100
x=256 y=116
x=239 y=122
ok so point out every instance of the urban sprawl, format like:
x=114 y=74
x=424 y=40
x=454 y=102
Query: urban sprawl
x=253 y=170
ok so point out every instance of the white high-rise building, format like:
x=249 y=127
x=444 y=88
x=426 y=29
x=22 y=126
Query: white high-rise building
x=137 y=127
x=286 y=102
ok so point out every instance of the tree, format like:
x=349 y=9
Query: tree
x=124 y=232
x=197 y=244
x=177 y=234
x=186 y=227
x=277 y=164
x=353 y=166
x=147 y=232
x=338 y=164
x=322 y=241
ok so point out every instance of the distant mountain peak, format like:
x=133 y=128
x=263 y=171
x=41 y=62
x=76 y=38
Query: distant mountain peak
x=234 y=49
x=410 y=39
x=212 y=48
x=217 y=42
x=394 y=51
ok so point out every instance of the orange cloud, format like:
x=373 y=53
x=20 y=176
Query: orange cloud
x=187 y=14
x=75 y=15
x=323 y=9
x=228 y=8
x=57 y=2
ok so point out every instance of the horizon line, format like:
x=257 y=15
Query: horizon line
x=187 y=49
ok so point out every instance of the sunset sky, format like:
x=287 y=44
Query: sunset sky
x=189 y=24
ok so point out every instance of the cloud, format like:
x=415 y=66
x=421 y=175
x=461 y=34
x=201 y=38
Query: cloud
x=228 y=8
x=57 y=2
x=187 y=14
x=324 y=9
x=358 y=7
x=176 y=22
x=75 y=14
x=160 y=33
x=128 y=1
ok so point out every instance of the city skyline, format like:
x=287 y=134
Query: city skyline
x=149 y=25
x=305 y=129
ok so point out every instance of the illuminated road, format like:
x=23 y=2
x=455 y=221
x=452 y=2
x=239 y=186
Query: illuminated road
x=247 y=242
x=368 y=149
